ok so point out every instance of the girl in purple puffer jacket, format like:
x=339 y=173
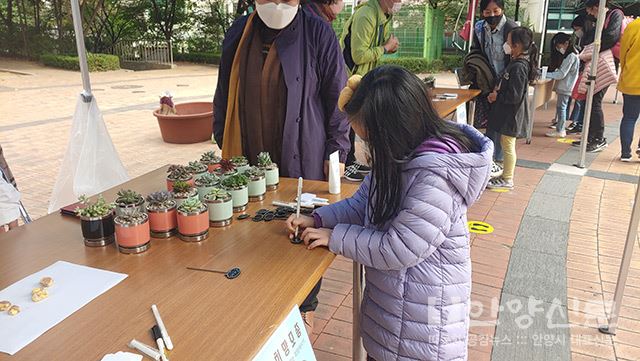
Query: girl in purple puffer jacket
x=407 y=222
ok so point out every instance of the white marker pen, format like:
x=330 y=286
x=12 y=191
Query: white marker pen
x=145 y=349
x=157 y=335
x=163 y=330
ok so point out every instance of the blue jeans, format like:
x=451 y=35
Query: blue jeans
x=630 y=113
x=562 y=111
x=577 y=114
x=497 y=147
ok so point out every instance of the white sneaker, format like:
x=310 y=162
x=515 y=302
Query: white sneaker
x=496 y=170
x=556 y=134
x=500 y=183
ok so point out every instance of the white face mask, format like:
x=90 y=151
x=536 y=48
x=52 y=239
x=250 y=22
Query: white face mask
x=506 y=48
x=396 y=8
x=276 y=16
x=561 y=50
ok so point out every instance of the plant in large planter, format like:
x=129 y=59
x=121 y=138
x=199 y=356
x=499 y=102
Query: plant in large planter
x=96 y=221
x=220 y=207
x=257 y=186
x=161 y=208
x=206 y=183
x=241 y=163
x=272 y=174
x=226 y=169
x=197 y=169
x=129 y=199
x=211 y=160
x=183 y=191
x=177 y=173
x=132 y=231
x=193 y=221
x=237 y=186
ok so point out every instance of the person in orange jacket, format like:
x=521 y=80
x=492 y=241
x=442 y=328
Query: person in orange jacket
x=629 y=86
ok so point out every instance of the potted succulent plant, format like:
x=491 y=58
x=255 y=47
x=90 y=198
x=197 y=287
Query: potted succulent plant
x=226 y=169
x=128 y=199
x=183 y=191
x=161 y=208
x=96 y=221
x=206 y=183
x=132 y=231
x=241 y=163
x=272 y=174
x=178 y=173
x=193 y=221
x=220 y=207
x=237 y=186
x=257 y=186
x=211 y=160
x=197 y=169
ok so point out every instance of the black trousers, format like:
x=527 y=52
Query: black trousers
x=596 y=125
x=311 y=302
x=351 y=157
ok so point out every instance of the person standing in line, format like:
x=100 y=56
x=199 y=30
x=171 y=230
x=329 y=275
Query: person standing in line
x=577 y=114
x=566 y=76
x=629 y=86
x=326 y=10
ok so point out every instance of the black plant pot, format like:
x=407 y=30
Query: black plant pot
x=98 y=231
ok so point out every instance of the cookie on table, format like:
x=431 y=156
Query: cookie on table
x=14 y=310
x=4 y=305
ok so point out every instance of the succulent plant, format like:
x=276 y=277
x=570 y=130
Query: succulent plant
x=239 y=160
x=128 y=197
x=178 y=173
x=191 y=205
x=131 y=216
x=210 y=157
x=208 y=180
x=254 y=172
x=264 y=160
x=182 y=188
x=160 y=200
x=217 y=194
x=99 y=208
x=235 y=181
x=226 y=166
x=196 y=167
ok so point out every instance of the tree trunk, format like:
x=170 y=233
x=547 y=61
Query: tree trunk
x=23 y=20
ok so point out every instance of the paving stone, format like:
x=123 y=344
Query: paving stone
x=543 y=235
x=550 y=207
x=536 y=274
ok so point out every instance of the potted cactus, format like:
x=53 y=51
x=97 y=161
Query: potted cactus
x=211 y=160
x=257 y=186
x=205 y=183
x=272 y=174
x=226 y=169
x=183 y=191
x=132 y=231
x=197 y=169
x=127 y=199
x=161 y=208
x=96 y=221
x=178 y=173
x=220 y=207
x=241 y=163
x=193 y=221
x=237 y=186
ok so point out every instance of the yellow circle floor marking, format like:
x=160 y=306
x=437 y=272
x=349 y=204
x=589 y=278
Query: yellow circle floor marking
x=499 y=190
x=479 y=227
x=565 y=140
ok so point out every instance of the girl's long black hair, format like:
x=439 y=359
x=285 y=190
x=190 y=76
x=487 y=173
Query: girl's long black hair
x=556 y=57
x=393 y=108
x=524 y=37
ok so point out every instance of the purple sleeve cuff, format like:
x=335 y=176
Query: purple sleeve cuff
x=317 y=220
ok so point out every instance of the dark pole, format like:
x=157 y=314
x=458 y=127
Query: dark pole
x=517 y=10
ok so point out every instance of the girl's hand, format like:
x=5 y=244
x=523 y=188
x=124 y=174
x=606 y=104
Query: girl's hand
x=492 y=96
x=302 y=222
x=314 y=237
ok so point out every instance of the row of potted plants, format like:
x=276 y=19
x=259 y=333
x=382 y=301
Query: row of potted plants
x=224 y=168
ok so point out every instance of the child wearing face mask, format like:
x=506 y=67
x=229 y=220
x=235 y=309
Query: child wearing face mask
x=566 y=76
x=509 y=114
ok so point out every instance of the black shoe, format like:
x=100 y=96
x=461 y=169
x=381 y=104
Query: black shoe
x=361 y=168
x=351 y=173
x=576 y=143
x=596 y=145
x=574 y=129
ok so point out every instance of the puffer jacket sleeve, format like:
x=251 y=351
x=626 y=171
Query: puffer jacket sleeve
x=417 y=231
x=351 y=210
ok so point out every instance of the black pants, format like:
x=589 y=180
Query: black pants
x=311 y=302
x=596 y=125
x=351 y=157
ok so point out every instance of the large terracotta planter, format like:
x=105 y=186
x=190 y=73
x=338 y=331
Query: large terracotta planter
x=193 y=123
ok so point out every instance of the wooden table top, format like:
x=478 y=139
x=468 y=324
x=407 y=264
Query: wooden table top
x=207 y=316
x=446 y=107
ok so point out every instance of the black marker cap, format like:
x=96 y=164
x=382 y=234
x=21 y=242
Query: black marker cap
x=155 y=331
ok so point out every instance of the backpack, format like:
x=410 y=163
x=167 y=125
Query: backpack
x=626 y=20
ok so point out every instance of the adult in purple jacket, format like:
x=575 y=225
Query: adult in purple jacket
x=290 y=72
x=407 y=223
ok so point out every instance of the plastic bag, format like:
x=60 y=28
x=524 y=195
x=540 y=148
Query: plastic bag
x=91 y=164
x=9 y=202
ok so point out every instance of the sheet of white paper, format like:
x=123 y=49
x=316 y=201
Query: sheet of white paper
x=122 y=356
x=461 y=114
x=289 y=342
x=74 y=286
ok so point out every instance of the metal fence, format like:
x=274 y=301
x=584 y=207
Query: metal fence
x=147 y=51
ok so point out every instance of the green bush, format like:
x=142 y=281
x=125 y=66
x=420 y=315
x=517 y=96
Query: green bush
x=421 y=65
x=96 y=62
x=203 y=58
x=452 y=61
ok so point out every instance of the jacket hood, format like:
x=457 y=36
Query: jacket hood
x=468 y=172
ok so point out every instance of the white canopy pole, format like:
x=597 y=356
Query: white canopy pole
x=592 y=82
x=82 y=52
x=543 y=31
x=472 y=27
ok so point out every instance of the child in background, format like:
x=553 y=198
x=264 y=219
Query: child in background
x=566 y=76
x=407 y=222
x=510 y=111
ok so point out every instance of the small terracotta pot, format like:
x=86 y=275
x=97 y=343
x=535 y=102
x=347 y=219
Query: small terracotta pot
x=97 y=231
x=162 y=223
x=133 y=238
x=212 y=167
x=193 y=227
x=170 y=183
